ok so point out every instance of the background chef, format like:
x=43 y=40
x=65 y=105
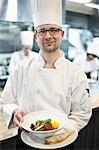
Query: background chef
x=88 y=61
x=26 y=53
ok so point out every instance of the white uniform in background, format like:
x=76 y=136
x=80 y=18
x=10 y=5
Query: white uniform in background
x=88 y=66
x=19 y=56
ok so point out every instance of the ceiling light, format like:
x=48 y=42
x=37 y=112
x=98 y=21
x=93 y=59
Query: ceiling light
x=92 y=5
x=12 y=10
x=81 y=2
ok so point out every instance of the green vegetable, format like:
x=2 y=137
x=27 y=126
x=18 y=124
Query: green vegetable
x=43 y=121
x=47 y=121
x=38 y=121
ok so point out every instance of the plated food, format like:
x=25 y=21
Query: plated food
x=44 y=123
x=60 y=137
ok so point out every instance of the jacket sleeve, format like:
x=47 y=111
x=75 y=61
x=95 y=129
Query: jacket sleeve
x=81 y=108
x=13 y=62
x=8 y=100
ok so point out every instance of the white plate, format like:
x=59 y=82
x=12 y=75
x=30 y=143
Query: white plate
x=42 y=115
x=38 y=143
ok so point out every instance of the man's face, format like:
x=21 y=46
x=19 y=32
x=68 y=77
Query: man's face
x=49 y=37
x=26 y=49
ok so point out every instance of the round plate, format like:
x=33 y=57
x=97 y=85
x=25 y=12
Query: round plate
x=38 y=143
x=42 y=115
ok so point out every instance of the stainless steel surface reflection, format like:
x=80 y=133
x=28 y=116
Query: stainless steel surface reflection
x=16 y=10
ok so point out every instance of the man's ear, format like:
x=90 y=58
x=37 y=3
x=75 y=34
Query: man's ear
x=62 y=33
x=35 y=36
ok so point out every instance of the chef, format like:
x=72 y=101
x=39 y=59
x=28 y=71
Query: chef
x=88 y=62
x=49 y=81
x=26 y=53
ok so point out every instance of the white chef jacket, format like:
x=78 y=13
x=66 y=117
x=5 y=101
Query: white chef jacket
x=87 y=66
x=18 y=57
x=33 y=88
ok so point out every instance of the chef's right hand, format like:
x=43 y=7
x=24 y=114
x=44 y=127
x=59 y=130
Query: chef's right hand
x=18 y=116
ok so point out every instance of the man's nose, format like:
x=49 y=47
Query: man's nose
x=48 y=34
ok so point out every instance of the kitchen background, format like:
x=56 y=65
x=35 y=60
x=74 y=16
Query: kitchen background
x=81 y=24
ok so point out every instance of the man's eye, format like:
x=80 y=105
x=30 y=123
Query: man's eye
x=42 y=31
x=53 y=30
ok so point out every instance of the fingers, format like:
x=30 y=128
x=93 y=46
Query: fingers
x=18 y=117
x=16 y=121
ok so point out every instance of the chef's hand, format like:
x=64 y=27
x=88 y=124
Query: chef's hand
x=18 y=116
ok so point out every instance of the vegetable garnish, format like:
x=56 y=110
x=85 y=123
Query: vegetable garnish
x=45 y=125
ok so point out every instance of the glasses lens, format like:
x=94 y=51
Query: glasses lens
x=41 y=32
x=52 y=31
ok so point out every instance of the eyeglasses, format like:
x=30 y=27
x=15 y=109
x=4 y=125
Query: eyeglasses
x=52 y=31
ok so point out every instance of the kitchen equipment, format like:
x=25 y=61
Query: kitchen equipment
x=16 y=10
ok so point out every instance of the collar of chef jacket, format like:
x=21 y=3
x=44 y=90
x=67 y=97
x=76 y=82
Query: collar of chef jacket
x=57 y=63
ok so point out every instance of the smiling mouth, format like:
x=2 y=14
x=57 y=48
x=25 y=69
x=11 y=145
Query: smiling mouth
x=49 y=43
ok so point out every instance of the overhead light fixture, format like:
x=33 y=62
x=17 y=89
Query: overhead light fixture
x=81 y=2
x=92 y=5
x=12 y=10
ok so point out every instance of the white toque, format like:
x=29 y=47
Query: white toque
x=92 y=48
x=27 y=37
x=47 y=12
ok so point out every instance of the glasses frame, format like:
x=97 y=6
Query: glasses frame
x=52 y=31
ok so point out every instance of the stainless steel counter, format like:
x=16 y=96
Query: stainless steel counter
x=6 y=133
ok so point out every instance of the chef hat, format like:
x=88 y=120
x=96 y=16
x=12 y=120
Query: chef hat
x=93 y=48
x=26 y=37
x=47 y=12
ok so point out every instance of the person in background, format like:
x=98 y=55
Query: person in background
x=88 y=61
x=26 y=53
x=85 y=36
x=49 y=81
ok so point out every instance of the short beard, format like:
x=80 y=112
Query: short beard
x=50 y=50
